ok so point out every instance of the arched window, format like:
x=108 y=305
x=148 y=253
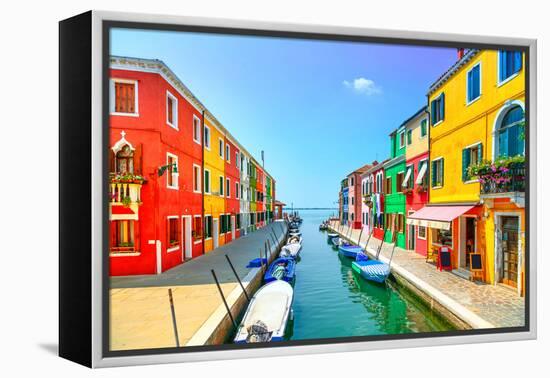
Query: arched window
x=125 y=160
x=510 y=141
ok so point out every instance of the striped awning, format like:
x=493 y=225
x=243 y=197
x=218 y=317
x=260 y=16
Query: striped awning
x=437 y=216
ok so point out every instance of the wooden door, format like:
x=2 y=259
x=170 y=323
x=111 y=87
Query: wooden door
x=509 y=247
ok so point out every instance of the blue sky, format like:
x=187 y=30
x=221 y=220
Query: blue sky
x=318 y=109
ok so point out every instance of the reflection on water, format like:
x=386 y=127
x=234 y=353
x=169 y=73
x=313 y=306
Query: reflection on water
x=330 y=300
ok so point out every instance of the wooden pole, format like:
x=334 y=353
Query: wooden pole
x=238 y=279
x=174 y=322
x=223 y=299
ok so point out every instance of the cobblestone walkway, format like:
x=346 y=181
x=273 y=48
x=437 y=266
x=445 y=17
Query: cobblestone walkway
x=496 y=304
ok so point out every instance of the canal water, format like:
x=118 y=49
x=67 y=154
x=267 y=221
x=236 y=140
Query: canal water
x=331 y=300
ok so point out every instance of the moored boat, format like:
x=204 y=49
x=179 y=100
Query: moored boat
x=349 y=250
x=290 y=250
x=267 y=315
x=335 y=241
x=332 y=235
x=282 y=268
x=372 y=270
x=294 y=239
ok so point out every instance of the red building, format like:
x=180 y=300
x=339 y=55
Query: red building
x=155 y=167
x=260 y=193
x=233 y=189
x=355 y=197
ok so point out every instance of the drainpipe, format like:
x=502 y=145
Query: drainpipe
x=202 y=186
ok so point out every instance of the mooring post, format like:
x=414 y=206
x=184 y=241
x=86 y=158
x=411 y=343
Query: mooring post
x=238 y=278
x=223 y=299
x=360 y=234
x=174 y=322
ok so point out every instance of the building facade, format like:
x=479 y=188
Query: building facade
x=169 y=171
x=394 y=201
x=415 y=185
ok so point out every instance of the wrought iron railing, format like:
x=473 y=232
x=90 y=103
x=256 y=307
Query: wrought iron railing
x=512 y=180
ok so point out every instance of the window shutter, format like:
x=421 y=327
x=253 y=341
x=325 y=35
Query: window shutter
x=480 y=153
x=470 y=86
x=442 y=171
x=502 y=65
x=465 y=163
x=433 y=173
x=442 y=106
x=138 y=169
x=432 y=112
x=112 y=158
x=517 y=61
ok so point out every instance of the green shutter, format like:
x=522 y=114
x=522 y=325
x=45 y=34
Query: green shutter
x=442 y=106
x=442 y=171
x=432 y=112
x=480 y=153
x=465 y=163
x=433 y=174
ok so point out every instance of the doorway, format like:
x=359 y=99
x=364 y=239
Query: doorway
x=508 y=250
x=412 y=237
x=216 y=231
x=232 y=227
x=186 y=237
x=467 y=240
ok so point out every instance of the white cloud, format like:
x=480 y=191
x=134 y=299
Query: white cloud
x=363 y=86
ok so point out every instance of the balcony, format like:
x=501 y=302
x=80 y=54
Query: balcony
x=503 y=179
x=125 y=197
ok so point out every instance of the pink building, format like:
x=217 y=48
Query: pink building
x=355 y=198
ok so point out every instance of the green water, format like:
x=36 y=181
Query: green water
x=330 y=300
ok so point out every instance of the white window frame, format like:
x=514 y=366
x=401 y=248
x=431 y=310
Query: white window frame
x=204 y=226
x=237 y=190
x=197 y=180
x=469 y=102
x=112 y=99
x=174 y=110
x=399 y=135
x=176 y=179
x=430 y=168
x=509 y=78
x=195 y=118
x=174 y=249
x=237 y=160
x=209 y=189
x=207 y=137
x=427 y=127
x=228 y=187
x=222 y=189
x=436 y=99
x=418 y=232
x=228 y=152
x=221 y=148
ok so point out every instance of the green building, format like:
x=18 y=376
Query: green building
x=268 y=200
x=394 y=201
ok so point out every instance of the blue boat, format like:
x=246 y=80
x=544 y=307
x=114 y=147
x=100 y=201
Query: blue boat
x=349 y=250
x=372 y=270
x=332 y=235
x=283 y=268
x=335 y=241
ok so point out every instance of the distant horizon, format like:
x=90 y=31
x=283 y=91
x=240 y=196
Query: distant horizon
x=299 y=100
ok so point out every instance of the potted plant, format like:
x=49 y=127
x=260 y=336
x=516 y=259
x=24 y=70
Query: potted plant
x=407 y=191
x=126 y=201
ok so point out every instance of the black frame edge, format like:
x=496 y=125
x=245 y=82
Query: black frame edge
x=75 y=189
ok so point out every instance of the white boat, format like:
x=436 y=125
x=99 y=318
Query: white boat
x=290 y=250
x=267 y=314
x=294 y=239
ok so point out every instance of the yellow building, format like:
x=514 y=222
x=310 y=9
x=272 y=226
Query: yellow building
x=214 y=184
x=476 y=116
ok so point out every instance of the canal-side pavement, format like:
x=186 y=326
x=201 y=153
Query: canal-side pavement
x=140 y=314
x=477 y=304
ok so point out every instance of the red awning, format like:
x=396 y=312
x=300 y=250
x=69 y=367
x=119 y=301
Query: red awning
x=121 y=210
x=437 y=216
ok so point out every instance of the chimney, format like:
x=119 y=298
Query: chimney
x=460 y=53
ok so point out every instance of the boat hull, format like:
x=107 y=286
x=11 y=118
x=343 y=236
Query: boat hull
x=372 y=270
x=349 y=251
x=290 y=270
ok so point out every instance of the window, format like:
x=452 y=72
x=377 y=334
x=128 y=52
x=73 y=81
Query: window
x=208 y=227
x=228 y=152
x=220 y=147
x=352 y=215
x=124 y=98
x=237 y=190
x=423 y=128
x=237 y=160
x=351 y=181
x=172 y=171
x=388 y=188
x=352 y=200
x=442 y=237
x=399 y=181
x=221 y=186
x=125 y=160
x=238 y=221
x=437 y=172
x=402 y=139
x=422 y=178
x=123 y=236
x=207 y=137
x=400 y=223
x=196 y=178
x=228 y=187
x=471 y=156
x=242 y=192
x=196 y=129
x=409 y=137
x=509 y=64
x=207 y=181
x=171 y=110
x=197 y=228
x=409 y=178
x=422 y=232
x=173 y=237
x=438 y=109
x=510 y=142
x=473 y=83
